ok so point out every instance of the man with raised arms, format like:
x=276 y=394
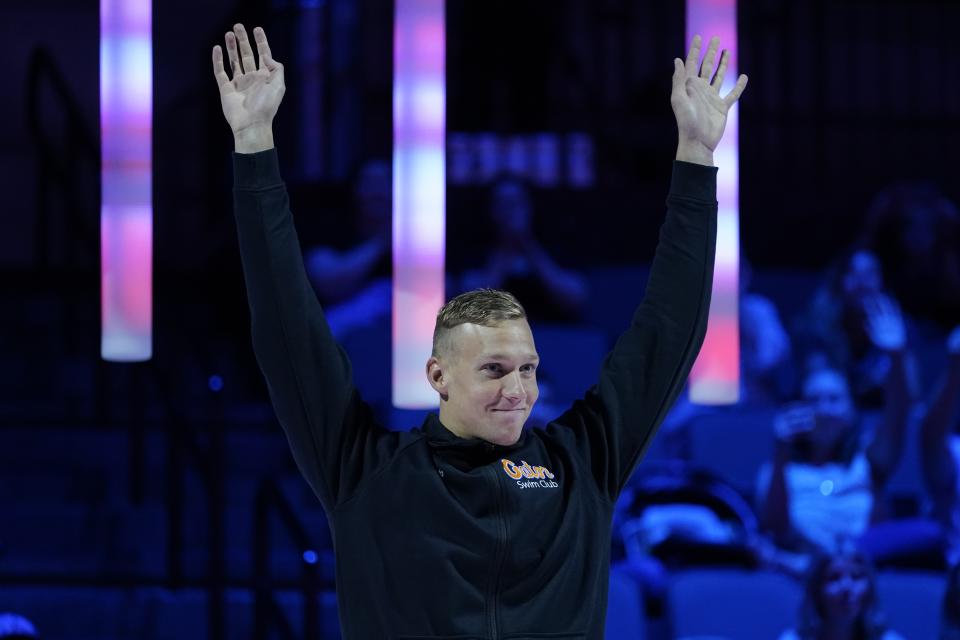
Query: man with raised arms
x=433 y=535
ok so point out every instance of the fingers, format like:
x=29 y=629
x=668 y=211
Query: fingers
x=263 y=48
x=240 y=52
x=877 y=313
x=880 y=305
x=677 y=69
x=678 y=76
x=232 y=54
x=721 y=70
x=706 y=69
x=793 y=421
x=246 y=53
x=223 y=80
x=693 y=68
x=693 y=56
x=738 y=88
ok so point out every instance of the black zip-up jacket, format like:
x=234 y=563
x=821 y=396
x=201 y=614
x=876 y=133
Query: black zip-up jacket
x=441 y=537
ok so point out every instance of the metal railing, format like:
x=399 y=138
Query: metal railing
x=59 y=162
x=267 y=612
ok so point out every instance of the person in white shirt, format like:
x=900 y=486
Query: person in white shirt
x=825 y=481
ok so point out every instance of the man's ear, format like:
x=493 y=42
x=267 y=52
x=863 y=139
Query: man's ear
x=436 y=377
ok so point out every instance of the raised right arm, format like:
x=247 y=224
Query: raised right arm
x=331 y=432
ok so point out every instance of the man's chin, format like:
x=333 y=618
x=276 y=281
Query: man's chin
x=508 y=427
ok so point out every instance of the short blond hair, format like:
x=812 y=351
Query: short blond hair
x=485 y=307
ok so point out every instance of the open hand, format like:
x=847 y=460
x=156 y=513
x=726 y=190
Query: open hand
x=796 y=420
x=791 y=425
x=700 y=111
x=250 y=98
x=884 y=323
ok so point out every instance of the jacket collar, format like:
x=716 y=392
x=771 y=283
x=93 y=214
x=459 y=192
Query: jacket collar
x=439 y=437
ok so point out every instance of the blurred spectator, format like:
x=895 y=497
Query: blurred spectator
x=826 y=480
x=940 y=448
x=16 y=627
x=835 y=331
x=519 y=264
x=354 y=285
x=915 y=231
x=840 y=600
x=764 y=346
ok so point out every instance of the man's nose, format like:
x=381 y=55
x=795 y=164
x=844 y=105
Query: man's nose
x=513 y=386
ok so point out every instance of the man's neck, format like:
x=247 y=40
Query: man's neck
x=450 y=424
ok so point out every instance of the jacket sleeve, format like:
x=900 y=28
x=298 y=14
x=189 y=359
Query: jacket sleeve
x=645 y=371
x=331 y=432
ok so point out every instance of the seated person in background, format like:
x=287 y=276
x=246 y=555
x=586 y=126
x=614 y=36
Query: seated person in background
x=519 y=264
x=940 y=449
x=835 y=330
x=824 y=482
x=355 y=284
x=840 y=600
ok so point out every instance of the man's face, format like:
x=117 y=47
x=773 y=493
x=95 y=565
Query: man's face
x=487 y=380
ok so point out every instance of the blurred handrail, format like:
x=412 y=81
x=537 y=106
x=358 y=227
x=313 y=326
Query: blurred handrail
x=58 y=162
x=269 y=499
x=182 y=447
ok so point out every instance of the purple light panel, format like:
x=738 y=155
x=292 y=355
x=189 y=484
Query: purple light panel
x=715 y=378
x=419 y=226
x=126 y=212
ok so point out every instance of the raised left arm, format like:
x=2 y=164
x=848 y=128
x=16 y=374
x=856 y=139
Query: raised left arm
x=645 y=372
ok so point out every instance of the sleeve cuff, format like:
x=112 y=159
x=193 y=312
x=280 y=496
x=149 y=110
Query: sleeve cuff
x=256 y=170
x=694 y=181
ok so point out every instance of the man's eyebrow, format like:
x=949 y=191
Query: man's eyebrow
x=500 y=356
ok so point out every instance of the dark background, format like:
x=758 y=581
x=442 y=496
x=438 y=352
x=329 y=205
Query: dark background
x=845 y=98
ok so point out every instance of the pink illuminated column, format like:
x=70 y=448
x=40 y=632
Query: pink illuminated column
x=419 y=231
x=716 y=375
x=126 y=213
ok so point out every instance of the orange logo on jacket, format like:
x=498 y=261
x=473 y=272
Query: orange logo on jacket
x=524 y=470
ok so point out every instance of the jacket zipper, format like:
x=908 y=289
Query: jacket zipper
x=501 y=552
